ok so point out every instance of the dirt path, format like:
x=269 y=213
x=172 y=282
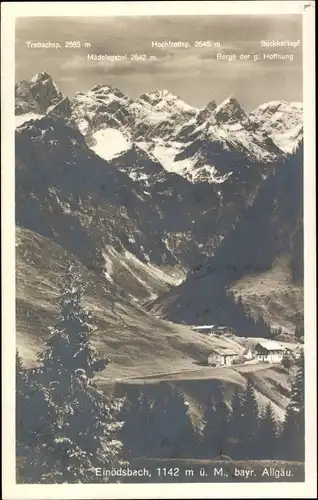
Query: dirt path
x=190 y=374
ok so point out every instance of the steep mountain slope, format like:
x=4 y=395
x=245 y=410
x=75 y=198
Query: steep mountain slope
x=37 y=95
x=218 y=205
x=180 y=204
x=129 y=218
x=67 y=193
x=101 y=107
x=230 y=111
x=271 y=229
x=140 y=195
x=141 y=209
x=282 y=121
x=145 y=352
x=217 y=141
x=229 y=124
x=131 y=207
x=161 y=114
x=138 y=343
x=271 y=385
x=155 y=114
x=161 y=123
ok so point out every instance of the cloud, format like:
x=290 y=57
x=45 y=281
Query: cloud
x=194 y=73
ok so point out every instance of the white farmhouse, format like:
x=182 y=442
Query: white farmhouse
x=222 y=357
x=269 y=350
x=248 y=354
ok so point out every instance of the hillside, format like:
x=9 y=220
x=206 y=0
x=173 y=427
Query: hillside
x=264 y=248
x=138 y=343
x=271 y=384
x=142 y=348
x=175 y=216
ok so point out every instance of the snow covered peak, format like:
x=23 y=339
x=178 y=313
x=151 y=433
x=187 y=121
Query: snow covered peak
x=103 y=106
x=162 y=94
x=100 y=86
x=280 y=120
x=166 y=101
x=157 y=95
x=111 y=121
x=156 y=114
x=230 y=111
x=273 y=106
x=104 y=90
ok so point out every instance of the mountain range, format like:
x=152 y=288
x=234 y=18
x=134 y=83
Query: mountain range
x=175 y=215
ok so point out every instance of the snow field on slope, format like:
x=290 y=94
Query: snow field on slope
x=20 y=119
x=288 y=141
x=165 y=155
x=109 y=143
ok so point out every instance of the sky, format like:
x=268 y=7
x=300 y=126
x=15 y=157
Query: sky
x=193 y=73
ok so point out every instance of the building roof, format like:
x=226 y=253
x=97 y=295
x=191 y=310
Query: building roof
x=203 y=327
x=221 y=327
x=224 y=352
x=270 y=345
x=207 y=327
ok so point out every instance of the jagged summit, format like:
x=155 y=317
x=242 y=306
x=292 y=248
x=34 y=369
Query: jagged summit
x=41 y=76
x=158 y=94
x=37 y=95
x=230 y=111
x=103 y=89
x=159 y=115
x=232 y=101
x=100 y=86
x=164 y=100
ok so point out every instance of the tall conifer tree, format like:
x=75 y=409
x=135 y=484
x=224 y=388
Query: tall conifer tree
x=293 y=435
x=249 y=422
x=267 y=435
x=81 y=423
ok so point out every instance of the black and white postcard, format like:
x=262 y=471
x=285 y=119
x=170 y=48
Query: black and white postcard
x=158 y=200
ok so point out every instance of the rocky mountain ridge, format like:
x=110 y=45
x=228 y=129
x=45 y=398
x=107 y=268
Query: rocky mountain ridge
x=148 y=213
x=269 y=238
x=159 y=115
x=173 y=216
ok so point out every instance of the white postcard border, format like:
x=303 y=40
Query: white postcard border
x=140 y=491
